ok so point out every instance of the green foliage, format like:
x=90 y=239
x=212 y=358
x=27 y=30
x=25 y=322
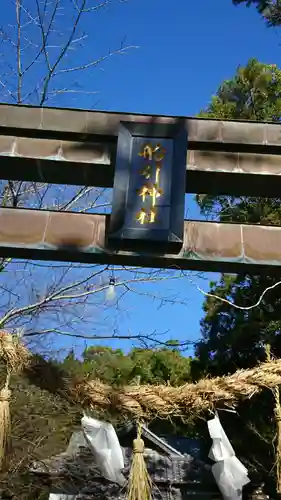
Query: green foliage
x=252 y=94
x=161 y=365
x=270 y=10
x=261 y=5
x=146 y=365
x=42 y=424
x=234 y=338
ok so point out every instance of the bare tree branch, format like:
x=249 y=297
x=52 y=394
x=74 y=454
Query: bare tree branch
x=148 y=340
x=47 y=297
x=95 y=63
x=242 y=308
x=18 y=14
x=61 y=295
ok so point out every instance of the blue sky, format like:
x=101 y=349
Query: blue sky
x=186 y=49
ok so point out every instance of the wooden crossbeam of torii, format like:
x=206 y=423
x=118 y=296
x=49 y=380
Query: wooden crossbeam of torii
x=78 y=147
x=208 y=246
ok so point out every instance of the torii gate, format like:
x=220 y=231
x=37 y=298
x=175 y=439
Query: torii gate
x=77 y=147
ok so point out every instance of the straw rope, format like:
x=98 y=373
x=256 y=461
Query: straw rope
x=163 y=400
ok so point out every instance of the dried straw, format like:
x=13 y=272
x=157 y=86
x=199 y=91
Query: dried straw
x=140 y=485
x=164 y=401
x=5 y=420
x=15 y=356
x=12 y=351
x=277 y=414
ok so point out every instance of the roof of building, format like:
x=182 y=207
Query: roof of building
x=173 y=470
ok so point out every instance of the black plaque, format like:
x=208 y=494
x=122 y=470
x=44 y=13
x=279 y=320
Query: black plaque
x=149 y=188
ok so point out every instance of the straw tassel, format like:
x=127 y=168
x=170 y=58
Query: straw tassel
x=140 y=485
x=277 y=416
x=15 y=357
x=5 y=420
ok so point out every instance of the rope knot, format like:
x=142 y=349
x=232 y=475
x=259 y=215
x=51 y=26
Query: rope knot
x=138 y=446
x=5 y=395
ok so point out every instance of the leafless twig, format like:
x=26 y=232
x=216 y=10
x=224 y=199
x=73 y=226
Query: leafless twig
x=236 y=306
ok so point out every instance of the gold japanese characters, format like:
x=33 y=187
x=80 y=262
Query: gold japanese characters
x=152 y=157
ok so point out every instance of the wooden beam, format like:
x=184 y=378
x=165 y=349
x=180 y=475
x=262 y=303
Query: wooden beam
x=50 y=122
x=208 y=246
x=92 y=163
x=77 y=147
x=57 y=161
x=233 y=173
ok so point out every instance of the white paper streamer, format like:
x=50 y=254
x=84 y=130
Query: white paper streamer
x=229 y=473
x=62 y=496
x=104 y=443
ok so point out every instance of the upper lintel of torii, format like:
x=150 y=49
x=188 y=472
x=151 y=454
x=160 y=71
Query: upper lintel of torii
x=219 y=151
